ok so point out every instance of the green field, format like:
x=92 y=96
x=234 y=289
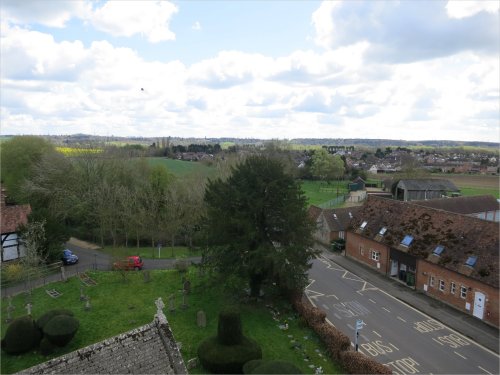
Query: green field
x=184 y=168
x=318 y=192
x=119 y=305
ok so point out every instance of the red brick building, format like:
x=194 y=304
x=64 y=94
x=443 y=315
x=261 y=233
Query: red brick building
x=448 y=256
x=12 y=217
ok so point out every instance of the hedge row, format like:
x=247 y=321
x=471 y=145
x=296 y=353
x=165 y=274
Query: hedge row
x=337 y=343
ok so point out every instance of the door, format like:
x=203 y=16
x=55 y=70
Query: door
x=478 y=310
x=394 y=267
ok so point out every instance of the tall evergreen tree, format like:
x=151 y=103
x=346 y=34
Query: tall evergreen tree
x=258 y=225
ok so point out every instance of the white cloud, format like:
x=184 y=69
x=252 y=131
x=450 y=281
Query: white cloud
x=52 y=13
x=128 y=18
x=196 y=26
x=405 y=31
x=465 y=8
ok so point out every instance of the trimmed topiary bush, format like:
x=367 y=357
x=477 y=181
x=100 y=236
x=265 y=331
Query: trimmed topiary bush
x=61 y=329
x=276 y=367
x=45 y=318
x=46 y=347
x=227 y=352
x=21 y=336
x=252 y=365
x=229 y=328
x=227 y=359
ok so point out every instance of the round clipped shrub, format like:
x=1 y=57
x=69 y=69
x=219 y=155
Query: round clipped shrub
x=61 y=329
x=229 y=328
x=276 y=367
x=251 y=365
x=45 y=318
x=21 y=336
x=227 y=359
x=46 y=347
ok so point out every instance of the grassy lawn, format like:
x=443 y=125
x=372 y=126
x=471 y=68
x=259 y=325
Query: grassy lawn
x=182 y=168
x=318 y=192
x=479 y=191
x=120 y=305
x=177 y=252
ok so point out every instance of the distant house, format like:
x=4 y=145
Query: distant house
x=149 y=349
x=12 y=217
x=484 y=207
x=421 y=189
x=448 y=256
x=331 y=224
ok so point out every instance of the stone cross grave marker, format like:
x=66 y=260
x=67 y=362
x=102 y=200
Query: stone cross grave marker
x=187 y=287
x=28 y=308
x=201 y=319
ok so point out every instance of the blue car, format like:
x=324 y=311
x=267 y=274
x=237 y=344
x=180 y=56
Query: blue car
x=68 y=257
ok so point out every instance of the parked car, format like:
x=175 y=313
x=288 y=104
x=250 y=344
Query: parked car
x=133 y=262
x=68 y=257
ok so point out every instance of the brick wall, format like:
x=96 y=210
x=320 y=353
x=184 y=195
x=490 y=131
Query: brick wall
x=362 y=249
x=426 y=270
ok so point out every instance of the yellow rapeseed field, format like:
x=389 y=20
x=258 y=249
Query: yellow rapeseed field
x=75 y=151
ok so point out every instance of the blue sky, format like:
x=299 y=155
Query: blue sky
x=410 y=70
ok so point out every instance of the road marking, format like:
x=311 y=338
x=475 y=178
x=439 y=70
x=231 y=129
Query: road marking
x=333 y=295
x=386 y=309
x=325 y=306
x=429 y=317
x=401 y=319
x=371 y=300
x=350 y=326
x=378 y=334
x=460 y=355
x=337 y=316
x=486 y=371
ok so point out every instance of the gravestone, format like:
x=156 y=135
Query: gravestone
x=184 y=300
x=201 y=319
x=10 y=309
x=87 y=304
x=147 y=276
x=171 y=303
x=63 y=274
x=28 y=308
x=82 y=295
x=53 y=293
x=187 y=287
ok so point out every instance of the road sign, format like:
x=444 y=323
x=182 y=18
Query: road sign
x=359 y=324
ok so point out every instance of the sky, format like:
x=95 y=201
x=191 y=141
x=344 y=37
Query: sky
x=409 y=70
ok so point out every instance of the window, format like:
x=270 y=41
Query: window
x=382 y=231
x=407 y=241
x=453 y=288
x=363 y=225
x=471 y=261
x=431 y=281
x=375 y=255
x=441 y=285
x=438 y=250
x=463 y=292
x=342 y=235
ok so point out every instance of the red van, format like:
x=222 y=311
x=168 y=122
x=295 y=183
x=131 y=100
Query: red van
x=133 y=262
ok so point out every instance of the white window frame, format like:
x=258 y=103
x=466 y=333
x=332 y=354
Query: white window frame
x=375 y=255
x=453 y=288
x=342 y=235
x=431 y=281
x=463 y=292
x=441 y=285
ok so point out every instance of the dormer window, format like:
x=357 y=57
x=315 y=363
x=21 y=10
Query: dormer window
x=438 y=250
x=471 y=261
x=335 y=216
x=407 y=240
x=363 y=225
x=382 y=231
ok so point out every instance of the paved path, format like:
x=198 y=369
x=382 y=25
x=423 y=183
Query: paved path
x=467 y=325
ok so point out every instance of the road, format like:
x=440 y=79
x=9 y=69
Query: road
x=406 y=340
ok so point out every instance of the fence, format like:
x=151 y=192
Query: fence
x=334 y=202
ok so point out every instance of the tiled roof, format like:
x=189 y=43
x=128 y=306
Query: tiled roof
x=12 y=217
x=338 y=219
x=150 y=349
x=430 y=184
x=463 y=205
x=462 y=236
x=314 y=212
